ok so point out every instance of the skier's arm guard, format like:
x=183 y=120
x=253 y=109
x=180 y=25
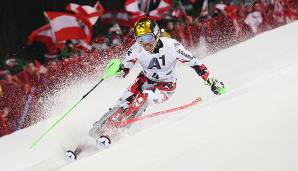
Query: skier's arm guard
x=202 y=71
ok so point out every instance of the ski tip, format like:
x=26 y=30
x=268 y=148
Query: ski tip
x=103 y=142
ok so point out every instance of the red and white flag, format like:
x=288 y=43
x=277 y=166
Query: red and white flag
x=132 y=6
x=112 y=17
x=163 y=7
x=91 y=12
x=66 y=26
x=43 y=35
x=204 y=11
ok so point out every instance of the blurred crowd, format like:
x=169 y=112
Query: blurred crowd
x=23 y=84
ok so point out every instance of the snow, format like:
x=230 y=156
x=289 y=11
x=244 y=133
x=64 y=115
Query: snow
x=254 y=126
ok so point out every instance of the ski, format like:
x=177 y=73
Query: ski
x=104 y=141
x=96 y=145
x=71 y=155
x=175 y=109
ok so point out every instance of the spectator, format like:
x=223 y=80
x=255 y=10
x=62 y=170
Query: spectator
x=254 y=19
x=279 y=12
x=195 y=31
x=54 y=74
x=173 y=31
x=230 y=12
x=115 y=36
x=212 y=34
x=3 y=74
x=31 y=77
x=1 y=91
x=100 y=43
x=294 y=9
x=12 y=68
x=4 y=129
x=11 y=103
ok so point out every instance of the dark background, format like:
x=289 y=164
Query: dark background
x=19 y=18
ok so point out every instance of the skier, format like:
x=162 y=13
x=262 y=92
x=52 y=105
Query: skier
x=157 y=81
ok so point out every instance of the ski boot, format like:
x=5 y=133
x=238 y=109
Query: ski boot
x=106 y=125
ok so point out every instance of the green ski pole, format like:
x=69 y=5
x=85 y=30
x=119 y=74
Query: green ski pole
x=111 y=69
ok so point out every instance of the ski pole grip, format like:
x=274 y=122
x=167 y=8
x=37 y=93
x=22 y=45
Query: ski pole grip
x=112 y=68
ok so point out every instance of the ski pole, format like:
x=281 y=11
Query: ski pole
x=111 y=69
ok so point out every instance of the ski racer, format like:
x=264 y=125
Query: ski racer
x=157 y=81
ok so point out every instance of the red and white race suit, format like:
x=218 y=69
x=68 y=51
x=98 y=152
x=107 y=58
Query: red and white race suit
x=157 y=80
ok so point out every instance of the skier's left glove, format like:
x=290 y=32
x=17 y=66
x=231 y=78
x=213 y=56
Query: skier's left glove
x=217 y=87
x=122 y=72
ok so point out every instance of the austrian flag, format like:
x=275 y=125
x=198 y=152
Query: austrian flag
x=69 y=26
x=155 y=9
x=42 y=34
x=120 y=16
x=92 y=13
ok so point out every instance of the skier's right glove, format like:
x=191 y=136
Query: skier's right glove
x=122 y=72
x=217 y=87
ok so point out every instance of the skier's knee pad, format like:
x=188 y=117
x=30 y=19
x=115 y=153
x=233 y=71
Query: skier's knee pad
x=156 y=96
x=141 y=99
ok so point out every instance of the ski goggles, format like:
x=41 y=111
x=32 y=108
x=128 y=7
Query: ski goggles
x=147 y=38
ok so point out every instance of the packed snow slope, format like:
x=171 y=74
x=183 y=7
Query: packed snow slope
x=254 y=126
